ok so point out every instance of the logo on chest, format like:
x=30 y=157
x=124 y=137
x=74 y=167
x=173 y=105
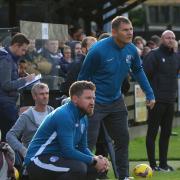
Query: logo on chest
x=163 y=60
x=82 y=128
x=129 y=59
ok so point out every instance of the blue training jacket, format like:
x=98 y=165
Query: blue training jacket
x=106 y=65
x=62 y=133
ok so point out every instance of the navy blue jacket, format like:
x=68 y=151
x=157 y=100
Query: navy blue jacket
x=162 y=67
x=9 y=78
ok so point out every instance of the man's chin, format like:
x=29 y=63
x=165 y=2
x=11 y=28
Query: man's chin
x=90 y=113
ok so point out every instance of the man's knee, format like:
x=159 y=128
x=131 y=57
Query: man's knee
x=79 y=167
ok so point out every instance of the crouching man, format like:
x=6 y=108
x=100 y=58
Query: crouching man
x=59 y=148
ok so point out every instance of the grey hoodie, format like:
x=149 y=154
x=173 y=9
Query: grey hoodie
x=20 y=135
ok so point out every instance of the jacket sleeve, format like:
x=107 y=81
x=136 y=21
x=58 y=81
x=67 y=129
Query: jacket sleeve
x=5 y=77
x=15 y=133
x=149 y=65
x=65 y=131
x=140 y=76
x=90 y=65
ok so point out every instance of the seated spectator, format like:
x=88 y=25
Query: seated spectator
x=20 y=135
x=22 y=66
x=76 y=50
x=30 y=57
x=76 y=33
x=51 y=57
x=66 y=60
x=59 y=148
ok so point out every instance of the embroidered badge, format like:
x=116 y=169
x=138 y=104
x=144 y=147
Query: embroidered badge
x=54 y=159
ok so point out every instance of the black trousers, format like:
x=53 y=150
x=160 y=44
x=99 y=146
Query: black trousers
x=49 y=167
x=114 y=116
x=160 y=116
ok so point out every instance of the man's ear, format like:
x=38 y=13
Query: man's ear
x=113 y=31
x=84 y=50
x=75 y=99
x=34 y=97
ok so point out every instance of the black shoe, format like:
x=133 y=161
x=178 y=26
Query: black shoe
x=166 y=168
x=155 y=168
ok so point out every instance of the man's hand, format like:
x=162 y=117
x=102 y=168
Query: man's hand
x=150 y=103
x=30 y=77
x=102 y=164
x=106 y=162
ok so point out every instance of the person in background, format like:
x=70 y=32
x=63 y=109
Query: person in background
x=30 y=57
x=10 y=81
x=145 y=51
x=107 y=64
x=51 y=57
x=22 y=67
x=103 y=36
x=161 y=66
x=66 y=60
x=7 y=158
x=76 y=33
x=59 y=148
x=75 y=67
x=154 y=42
x=139 y=42
x=20 y=135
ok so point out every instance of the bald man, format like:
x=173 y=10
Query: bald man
x=161 y=66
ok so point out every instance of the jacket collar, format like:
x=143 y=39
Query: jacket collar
x=166 y=49
x=76 y=111
x=14 y=57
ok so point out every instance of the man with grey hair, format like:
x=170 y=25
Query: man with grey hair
x=161 y=66
x=20 y=135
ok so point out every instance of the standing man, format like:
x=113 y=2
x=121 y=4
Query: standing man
x=59 y=148
x=106 y=65
x=20 y=135
x=161 y=66
x=10 y=81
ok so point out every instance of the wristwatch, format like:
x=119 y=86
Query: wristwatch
x=94 y=162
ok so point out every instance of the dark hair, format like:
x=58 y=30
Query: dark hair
x=20 y=39
x=22 y=61
x=116 y=22
x=85 y=40
x=78 y=87
x=156 y=39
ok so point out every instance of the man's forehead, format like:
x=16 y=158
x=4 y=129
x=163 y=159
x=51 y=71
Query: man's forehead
x=43 y=89
x=123 y=24
x=168 y=34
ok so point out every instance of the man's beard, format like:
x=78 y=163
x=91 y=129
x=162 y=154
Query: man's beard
x=84 y=111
